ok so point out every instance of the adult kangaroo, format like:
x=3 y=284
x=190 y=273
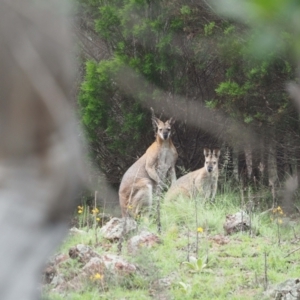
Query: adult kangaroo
x=201 y=182
x=150 y=173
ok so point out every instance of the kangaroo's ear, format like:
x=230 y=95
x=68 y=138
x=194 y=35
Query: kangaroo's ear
x=216 y=152
x=171 y=121
x=155 y=121
x=206 y=152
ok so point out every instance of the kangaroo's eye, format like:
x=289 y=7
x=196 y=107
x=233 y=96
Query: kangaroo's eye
x=160 y=129
x=168 y=129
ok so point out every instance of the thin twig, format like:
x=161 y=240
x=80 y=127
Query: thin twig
x=278 y=231
x=266 y=211
x=294 y=231
x=291 y=252
x=266 y=271
x=207 y=244
x=158 y=215
x=188 y=246
x=197 y=233
x=250 y=221
x=297 y=208
x=95 y=221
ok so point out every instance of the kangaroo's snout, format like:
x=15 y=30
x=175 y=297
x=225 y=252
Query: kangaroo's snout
x=166 y=135
x=209 y=168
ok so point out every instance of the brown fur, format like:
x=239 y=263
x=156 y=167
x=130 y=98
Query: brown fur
x=201 y=182
x=150 y=173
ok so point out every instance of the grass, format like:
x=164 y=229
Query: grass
x=234 y=269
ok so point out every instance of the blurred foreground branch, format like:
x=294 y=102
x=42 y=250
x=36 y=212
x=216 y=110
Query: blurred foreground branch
x=41 y=167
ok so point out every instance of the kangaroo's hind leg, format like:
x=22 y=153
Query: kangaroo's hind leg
x=142 y=198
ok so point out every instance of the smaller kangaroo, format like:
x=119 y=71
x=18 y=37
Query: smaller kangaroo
x=201 y=182
x=150 y=173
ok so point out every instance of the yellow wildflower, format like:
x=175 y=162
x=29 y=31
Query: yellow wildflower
x=278 y=210
x=80 y=209
x=129 y=206
x=95 y=211
x=96 y=276
x=200 y=229
x=280 y=221
x=97 y=219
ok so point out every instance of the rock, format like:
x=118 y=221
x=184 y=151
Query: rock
x=49 y=273
x=58 y=280
x=287 y=290
x=57 y=259
x=144 y=239
x=165 y=282
x=95 y=265
x=116 y=227
x=117 y=265
x=60 y=258
x=73 y=252
x=159 y=288
x=74 y=285
x=220 y=239
x=111 y=263
x=83 y=248
x=76 y=231
x=97 y=270
x=82 y=252
x=103 y=218
x=237 y=222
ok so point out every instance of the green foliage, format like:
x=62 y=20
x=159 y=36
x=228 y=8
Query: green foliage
x=244 y=93
x=185 y=10
x=196 y=265
x=108 y=21
x=98 y=111
x=211 y=103
x=273 y=20
x=208 y=28
x=231 y=89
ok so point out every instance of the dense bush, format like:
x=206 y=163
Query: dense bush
x=175 y=54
